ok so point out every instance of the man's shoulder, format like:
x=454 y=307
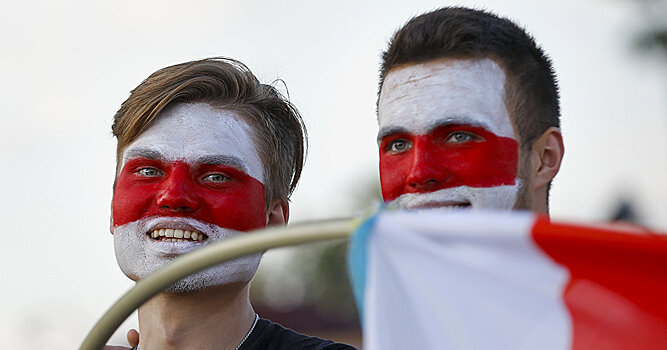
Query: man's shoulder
x=270 y=335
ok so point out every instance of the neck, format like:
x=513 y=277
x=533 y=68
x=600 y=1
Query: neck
x=213 y=318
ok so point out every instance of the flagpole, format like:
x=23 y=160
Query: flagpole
x=200 y=259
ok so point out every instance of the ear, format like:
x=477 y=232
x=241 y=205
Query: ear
x=546 y=156
x=278 y=213
x=111 y=219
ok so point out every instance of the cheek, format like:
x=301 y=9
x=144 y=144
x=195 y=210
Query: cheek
x=131 y=200
x=240 y=207
x=485 y=164
x=393 y=173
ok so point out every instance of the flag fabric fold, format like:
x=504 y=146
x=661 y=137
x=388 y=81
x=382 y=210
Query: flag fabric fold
x=507 y=280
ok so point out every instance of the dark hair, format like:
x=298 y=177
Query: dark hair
x=455 y=32
x=280 y=134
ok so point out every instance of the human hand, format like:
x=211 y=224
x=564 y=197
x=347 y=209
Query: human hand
x=132 y=338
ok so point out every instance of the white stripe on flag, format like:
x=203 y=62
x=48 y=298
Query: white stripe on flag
x=471 y=280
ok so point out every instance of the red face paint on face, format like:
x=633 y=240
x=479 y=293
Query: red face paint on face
x=448 y=156
x=215 y=194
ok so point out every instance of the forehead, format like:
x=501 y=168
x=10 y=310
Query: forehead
x=417 y=97
x=193 y=131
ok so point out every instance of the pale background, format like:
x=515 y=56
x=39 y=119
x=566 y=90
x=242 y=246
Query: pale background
x=66 y=66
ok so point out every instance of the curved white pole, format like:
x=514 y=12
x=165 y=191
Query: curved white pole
x=205 y=257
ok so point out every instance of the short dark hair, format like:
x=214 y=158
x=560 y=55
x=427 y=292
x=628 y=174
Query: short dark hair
x=280 y=134
x=531 y=88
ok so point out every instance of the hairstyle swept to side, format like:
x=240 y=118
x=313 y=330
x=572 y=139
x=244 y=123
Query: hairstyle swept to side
x=531 y=89
x=279 y=131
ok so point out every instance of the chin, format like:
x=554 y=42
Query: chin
x=138 y=256
x=462 y=197
x=237 y=271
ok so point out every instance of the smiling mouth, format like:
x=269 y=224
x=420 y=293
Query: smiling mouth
x=176 y=235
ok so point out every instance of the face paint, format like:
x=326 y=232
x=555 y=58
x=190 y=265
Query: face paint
x=213 y=193
x=138 y=255
x=197 y=170
x=445 y=132
x=449 y=156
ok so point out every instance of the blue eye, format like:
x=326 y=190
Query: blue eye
x=399 y=146
x=149 y=172
x=459 y=137
x=217 y=177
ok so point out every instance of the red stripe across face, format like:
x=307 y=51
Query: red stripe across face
x=433 y=164
x=617 y=292
x=179 y=190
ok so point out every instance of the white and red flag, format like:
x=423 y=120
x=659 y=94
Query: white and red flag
x=507 y=280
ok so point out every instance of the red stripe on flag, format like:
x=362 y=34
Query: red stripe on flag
x=617 y=292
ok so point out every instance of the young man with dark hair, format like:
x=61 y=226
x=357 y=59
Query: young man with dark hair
x=469 y=114
x=205 y=152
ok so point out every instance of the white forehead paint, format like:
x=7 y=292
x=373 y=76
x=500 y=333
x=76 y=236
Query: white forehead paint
x=419 y=96
x=138 y=255
x=498 y=197
x=188 y=131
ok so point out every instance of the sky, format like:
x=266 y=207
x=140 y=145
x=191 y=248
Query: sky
x=67 y=66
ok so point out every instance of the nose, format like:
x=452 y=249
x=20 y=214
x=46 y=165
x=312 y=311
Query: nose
x=176 y=193
x=426 y=172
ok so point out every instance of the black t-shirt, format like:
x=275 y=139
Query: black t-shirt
x=272 y=336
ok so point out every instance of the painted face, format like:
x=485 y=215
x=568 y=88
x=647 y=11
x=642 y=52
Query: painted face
x=193 y=178
x=446 y=138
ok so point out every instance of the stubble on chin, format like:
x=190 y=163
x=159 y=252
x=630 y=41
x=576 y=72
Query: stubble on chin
x=234 y=272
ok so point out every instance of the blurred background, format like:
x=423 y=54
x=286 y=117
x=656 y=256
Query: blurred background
x=67 y=65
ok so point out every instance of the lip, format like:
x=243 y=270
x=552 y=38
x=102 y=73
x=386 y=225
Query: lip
x=446 y=204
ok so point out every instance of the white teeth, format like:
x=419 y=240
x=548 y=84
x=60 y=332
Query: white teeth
x=176 y=235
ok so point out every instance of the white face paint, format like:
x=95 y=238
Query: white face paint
x=138 y=255
x=417 y=99
x=498 y=197
x=186 y=133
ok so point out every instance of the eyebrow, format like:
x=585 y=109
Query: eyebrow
x=458 y=121
x=393 y=130
x=217 y=159
x=143 y=153
x=220 y=159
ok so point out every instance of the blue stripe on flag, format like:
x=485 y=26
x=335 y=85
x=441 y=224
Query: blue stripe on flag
x=356 y=261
